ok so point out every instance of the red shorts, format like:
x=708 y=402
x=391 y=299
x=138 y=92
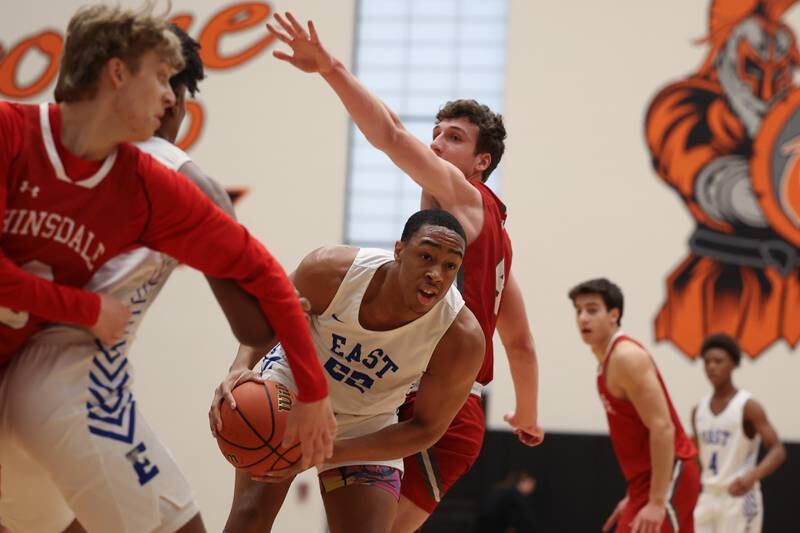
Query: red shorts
x=683 y=493
x=430 y=474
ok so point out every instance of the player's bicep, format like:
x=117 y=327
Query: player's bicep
x=639 y=380
x=319 y=274
x=755 y=413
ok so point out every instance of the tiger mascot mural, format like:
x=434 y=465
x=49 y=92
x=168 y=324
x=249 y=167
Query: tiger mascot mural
x=727 y=140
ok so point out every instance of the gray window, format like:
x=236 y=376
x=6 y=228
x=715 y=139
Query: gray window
x=416 y=55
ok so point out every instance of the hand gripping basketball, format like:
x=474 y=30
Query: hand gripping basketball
x=252 y=433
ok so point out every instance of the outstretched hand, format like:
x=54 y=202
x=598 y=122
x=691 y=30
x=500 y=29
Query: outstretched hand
x=308 y=54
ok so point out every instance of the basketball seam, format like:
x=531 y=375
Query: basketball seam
x=273 y=451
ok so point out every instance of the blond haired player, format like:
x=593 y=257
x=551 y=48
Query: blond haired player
x=74 y=195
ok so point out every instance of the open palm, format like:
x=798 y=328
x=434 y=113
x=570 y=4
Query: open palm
x=308 y=54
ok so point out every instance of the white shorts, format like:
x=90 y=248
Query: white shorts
x=73 y=445
x=275 y=367
x=719 y=512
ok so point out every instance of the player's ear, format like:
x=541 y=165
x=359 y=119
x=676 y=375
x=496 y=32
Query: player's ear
x=484 y=160
x=398 y=249
x=614 y=313
x=117 y=71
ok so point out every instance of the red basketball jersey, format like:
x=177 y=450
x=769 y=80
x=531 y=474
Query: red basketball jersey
x=62 y=226
x=629 y=436
x=484 y=271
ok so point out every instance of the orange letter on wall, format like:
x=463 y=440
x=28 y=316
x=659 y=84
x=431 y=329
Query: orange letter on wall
x=230 y=20
x=49 y=43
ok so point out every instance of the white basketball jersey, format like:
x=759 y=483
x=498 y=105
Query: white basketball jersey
x=370 y=372
x=165 y=152
x=135 y=277
x=725 y=451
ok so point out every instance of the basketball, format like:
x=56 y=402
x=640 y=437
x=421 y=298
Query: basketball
x=251 y=434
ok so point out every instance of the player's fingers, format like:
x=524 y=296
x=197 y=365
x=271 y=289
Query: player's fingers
x=312 y=31
x=212 y=423
x=213 y=413
x=307 y=451
x=290 y=436
x=299 y=30
x=639 y=525
x=277 y=54
x=319 y=451
x=326 y=439
x=331 y=426
x=285 y=25
x=226 y=394
x=278 y=34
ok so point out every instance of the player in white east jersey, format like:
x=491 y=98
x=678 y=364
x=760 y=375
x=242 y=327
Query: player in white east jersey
x=76 y=452
x=729 y=427
x=380 y=321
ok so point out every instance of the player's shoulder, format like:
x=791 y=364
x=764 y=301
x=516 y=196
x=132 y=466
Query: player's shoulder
x=752 y=407
x=628 y=354
x=319 y=275
x=329 y=260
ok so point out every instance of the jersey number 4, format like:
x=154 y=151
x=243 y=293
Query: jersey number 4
x=712 y=464
x=17 y=319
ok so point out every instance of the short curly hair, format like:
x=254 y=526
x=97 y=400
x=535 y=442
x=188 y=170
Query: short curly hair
x=98 y=33
x=193 y=71
x=724 y=342
x=491 y=130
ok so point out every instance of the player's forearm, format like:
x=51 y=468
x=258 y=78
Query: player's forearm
x=244 y=315
x=662 y=457
x=393 y=442
x=186 y=225
x=774 y=458
x=524 y=369
x=368 y=112
x=247 y=357
x=21 y=291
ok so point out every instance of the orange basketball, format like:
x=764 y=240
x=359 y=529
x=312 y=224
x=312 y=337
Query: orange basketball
x=251 y=434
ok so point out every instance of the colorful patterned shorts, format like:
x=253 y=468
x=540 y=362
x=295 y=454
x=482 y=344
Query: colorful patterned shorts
x=383 y=477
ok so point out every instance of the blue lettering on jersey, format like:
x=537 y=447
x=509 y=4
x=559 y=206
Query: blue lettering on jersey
x=717 y=437
x=347 y=373
x=145 y=470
